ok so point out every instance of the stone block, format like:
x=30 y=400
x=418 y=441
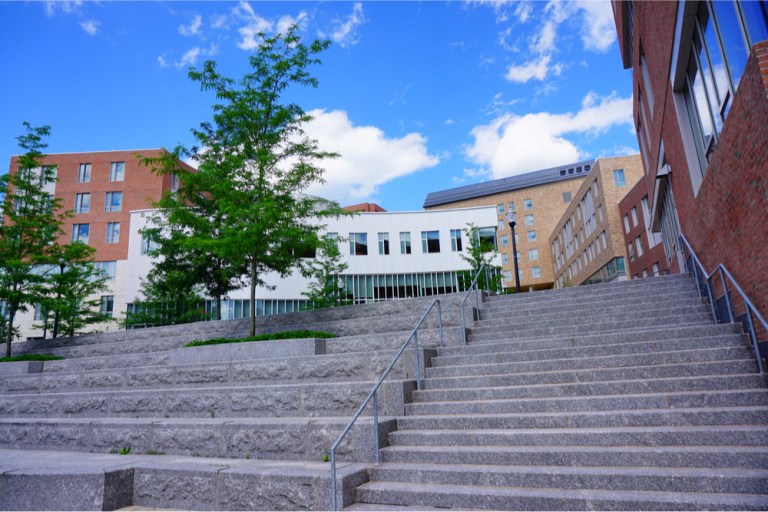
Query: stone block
x=282 y=401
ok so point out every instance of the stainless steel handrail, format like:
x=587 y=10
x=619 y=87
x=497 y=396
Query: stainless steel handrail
x=372 y=395
x=751 y=310
x=472 y=286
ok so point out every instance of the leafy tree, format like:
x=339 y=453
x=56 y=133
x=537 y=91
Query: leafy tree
x=30 y=229
x=245 y=206
x=325 y=269
x=480 y=252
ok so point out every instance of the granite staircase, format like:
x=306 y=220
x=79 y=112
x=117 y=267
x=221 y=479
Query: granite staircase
x=610 y=397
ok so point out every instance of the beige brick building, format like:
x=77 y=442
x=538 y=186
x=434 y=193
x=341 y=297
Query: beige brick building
x=587 y=244
x=539 y=198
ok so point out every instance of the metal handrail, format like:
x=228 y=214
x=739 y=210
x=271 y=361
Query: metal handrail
x=472 y=286
x=751 y=310
x=372 y=395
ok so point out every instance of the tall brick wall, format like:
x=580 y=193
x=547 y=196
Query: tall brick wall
x=651 y=255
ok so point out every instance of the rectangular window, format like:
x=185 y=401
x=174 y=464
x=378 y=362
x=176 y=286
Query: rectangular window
x=533 y=254
x=626 y=223
x=567 y=197
x=148 y=246
x=84 y=173
x=600 y=213
x=114 y=202
x=618 y=178
x=332 y=237
x=508 y=276
x=383 y=243
x=80 y=233
x=512 y=206
x=358 y=244
x=536 y=272
x=531 y=236
x=430 y=241
x=603 y=240
x=504 y=258
x=39 y=313
x=634 y=216
x=456 y=240
x=486 y=238
x=405 y=242
x=529 y=220
x=113 y=232
x=639 y=243
x=82 y=203
x=631 y=251
x=646 y=80
x=117 y=171
x=504 y=241
x=527 y=204
x=501 y=225
x=500 y=208
x=107 y=305
x=107 y=268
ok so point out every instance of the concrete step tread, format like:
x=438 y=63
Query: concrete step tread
x=266 y=421
x=630 y=297
x=680 y=430
x=653 y=310
x=660 y=317
x=582 y=449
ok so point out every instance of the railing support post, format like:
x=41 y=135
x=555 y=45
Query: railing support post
x=440 y=322
x=753 y=338
x=376 y=425
x=711 y=298
x=334 y=505
x=731 y=316
x=418 y=364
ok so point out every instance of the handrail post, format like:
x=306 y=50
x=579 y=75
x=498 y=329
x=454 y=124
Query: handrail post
x=711 y=298
x=440 y=321
x=376 y=425
x=753 y=339
x=418 y=365
x=463 y=325
x=334 y=505
x=727 y=298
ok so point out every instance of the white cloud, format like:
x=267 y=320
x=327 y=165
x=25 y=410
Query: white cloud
x=64 y=6
x=598 y=31
x=449 y=122
x=91 y=27
x=189 y=58
x=368 y=157
x=193 y=28
x=219 y=21
x=254 y=25
x=346 y=33
x=535 y=69
x=544 y=41
x=286 y=22
x=512 y=144
x=162 y=61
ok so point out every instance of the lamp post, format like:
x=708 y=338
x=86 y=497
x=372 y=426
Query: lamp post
x=62 y=264
x=512 y=220
x=340 y=285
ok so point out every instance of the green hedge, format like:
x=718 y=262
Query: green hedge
x=287 y=335
x=29 y=357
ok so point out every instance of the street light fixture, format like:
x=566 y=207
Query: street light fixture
x=512 y=221
x=340 y=285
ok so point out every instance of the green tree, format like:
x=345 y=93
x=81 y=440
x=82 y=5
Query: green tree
x=325 y=270
x=30 y=229
x=480 y=251
x=255 y=163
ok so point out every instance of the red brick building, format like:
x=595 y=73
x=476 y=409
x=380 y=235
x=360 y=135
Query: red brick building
x=700 y=81
x=645 y=252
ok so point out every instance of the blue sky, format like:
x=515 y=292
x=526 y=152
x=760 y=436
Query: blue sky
x=416 y=96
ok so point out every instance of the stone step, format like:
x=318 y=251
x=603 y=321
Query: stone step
x=467 y=497
x=752 y=457
x=591 y=419
x=101 y=363
x=675 y=400
x=81 y=481
x=501 y=344
x=581 y=389
x=534 y=352
x=285 y=370
x=687 y=480
x=727 y=435
x=311 y=399
x=592 y=363
x=620 y=302
x=392 y=340
x=288 y=438
x=482 y=333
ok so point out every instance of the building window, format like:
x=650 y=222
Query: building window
x=631 y=251
x=108 y=269
x=456 y=240
x=646 y=80
x=82 y=203
x=430 y=241
x=504 y=241
x=358 y=244
x=536 y=272
x=639 y=243
x=148 y=246
x=486 y=238
x=501 y=225
x=512 y=206
x=600 y=213
x=80 y=233
x=107 y=305
x=567 y=197
x=174 y=183
x=405 y=242
x=529 y=220
x=527 y=204
x=504 y=258
x=633 y=211
x=117 y=171
x=618 y=178
x=84 y=173
x=113 y=232
x=500 y=208
x=533 y=254
x=508 y=276
x=531 y=236
x=383 y=243
x=626 y=224
x=114 y=202
x=603 y=240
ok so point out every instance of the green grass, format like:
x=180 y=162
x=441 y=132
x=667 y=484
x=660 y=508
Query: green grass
x=287 y=335
x=30 y=357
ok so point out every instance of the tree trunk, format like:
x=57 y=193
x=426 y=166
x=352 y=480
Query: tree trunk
x=252 y=320
x=218 y=307
x=9 y=333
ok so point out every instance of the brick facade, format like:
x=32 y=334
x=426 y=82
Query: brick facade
x=650 y=258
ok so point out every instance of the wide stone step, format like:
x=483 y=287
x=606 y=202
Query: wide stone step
x=617 y=361
x=600 y=325
x=289 y=438
x=687 y=480
x=534 y=352
x=634 y=456
x=541 y=377
x=581 y=389
x=101 y=363
x=727 y=435
x=591 y=419
x=678 y=400
x=619 y=302
x=312 y=399
x=501 y=344
x=392 y=340
x=467 y=497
